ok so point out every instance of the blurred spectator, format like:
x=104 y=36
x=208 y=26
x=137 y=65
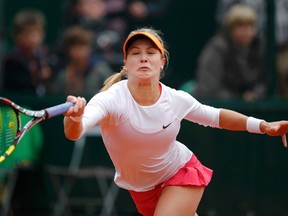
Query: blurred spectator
x=143 y=13
x=282 y=42
x=2 y=39
x=282 y=66
x=108 y=31
x=85 y=72
x=138 y=13
x=281 y=16
x=281 y=32
x=257 y=5
x=232 y=63
x=110 y=21
x=25 y=67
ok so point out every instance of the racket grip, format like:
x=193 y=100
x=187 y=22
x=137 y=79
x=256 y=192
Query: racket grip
x=58 y=109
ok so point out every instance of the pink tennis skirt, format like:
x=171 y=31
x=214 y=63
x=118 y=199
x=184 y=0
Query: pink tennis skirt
x=192 y=174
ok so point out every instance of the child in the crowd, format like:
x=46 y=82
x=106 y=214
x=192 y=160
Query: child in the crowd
x=84 y=72
x=26 y=67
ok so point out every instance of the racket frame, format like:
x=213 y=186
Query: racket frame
x=37 y=116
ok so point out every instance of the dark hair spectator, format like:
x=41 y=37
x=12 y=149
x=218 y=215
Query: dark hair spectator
x=84 y=72
x=108 y=32
x=26 y=66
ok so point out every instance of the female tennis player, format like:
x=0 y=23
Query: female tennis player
x=140 y=118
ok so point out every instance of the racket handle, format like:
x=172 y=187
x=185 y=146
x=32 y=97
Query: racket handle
x=58 y=109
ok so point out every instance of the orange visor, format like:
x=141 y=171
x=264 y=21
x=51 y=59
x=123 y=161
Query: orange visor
x=150 y=36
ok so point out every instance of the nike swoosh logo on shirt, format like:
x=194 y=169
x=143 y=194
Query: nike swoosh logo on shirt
x=165 y=126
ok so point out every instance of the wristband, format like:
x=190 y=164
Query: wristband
x=76 y=118
x=253 y=125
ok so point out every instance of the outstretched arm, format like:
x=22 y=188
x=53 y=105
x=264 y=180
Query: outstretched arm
x=232 y=120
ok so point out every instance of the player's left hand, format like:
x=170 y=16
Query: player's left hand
x=278 y=128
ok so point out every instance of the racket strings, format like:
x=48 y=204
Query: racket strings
x=8 y=127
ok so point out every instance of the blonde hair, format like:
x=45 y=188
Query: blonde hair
x=112 y=80
x=240 y=14
x=118 y=76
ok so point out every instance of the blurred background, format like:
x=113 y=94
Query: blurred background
x=59 y=177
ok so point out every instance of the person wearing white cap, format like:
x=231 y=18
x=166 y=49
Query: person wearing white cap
x=140 y=118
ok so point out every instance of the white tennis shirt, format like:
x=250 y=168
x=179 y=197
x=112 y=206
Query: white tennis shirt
x=141 y=140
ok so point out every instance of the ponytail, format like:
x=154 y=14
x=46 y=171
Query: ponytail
x=112 y=80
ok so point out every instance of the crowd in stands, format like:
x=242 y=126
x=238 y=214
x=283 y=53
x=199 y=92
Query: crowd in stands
x=88 y=48
x=87 y=51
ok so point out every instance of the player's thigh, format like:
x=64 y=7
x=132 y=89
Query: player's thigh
x=179 y=200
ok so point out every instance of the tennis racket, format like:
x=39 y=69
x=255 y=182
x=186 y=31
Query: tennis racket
x=11 y=130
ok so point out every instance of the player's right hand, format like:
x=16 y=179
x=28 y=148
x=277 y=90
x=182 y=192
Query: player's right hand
x=78 y=109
